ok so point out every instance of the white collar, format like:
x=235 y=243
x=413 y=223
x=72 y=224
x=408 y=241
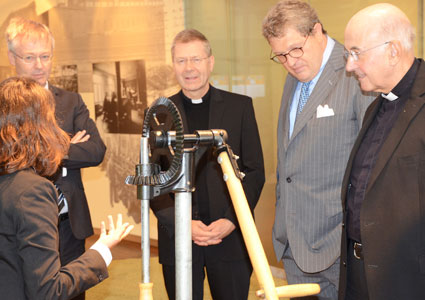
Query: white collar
x=196 y=101
x=390 y=96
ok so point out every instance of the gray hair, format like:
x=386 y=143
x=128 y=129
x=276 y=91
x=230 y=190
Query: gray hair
x=288 y=13
x=20 y=28
x=190 y=35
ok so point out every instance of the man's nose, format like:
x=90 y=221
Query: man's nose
x=290 y=61
x=351 y=64
x=38 y=62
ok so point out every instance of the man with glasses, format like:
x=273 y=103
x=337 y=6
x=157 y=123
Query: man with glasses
x=218 y=247
x=383 y=241
x=30 y=50
x=320 y=116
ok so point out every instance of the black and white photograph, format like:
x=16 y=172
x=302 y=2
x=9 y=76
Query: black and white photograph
x=120 y=95
x=65 y=77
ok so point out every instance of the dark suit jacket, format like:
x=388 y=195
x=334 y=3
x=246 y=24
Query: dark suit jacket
x=235 y=114
x=72 y=115
x=29 y=258
x=392 y=217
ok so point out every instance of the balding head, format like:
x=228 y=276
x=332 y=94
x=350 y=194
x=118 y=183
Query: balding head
x=385 y=21
x=383 y=38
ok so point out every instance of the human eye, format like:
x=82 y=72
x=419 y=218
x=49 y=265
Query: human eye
x=196 y=60
x=45 y=57
x=295 y=50
x=180 y=61
x=29 y=58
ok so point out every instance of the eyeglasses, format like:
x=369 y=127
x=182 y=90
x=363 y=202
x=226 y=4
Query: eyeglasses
x=355 y=53
x=295 y=53
x=31 y=59
x=196 y=61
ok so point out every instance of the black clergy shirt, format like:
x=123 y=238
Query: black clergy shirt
x=197 y=115
x=368 y=152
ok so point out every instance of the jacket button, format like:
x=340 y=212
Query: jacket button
x=344 y=264
x=288 y=180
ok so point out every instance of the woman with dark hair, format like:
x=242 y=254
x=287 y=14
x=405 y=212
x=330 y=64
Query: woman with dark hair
x=32 y=147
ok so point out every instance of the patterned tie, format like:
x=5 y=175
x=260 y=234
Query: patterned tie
x=61 y=199
x=303 y=96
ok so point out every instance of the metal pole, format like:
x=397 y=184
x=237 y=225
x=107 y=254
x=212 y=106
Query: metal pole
x=144 y=160
x=183 y=230
x=183 y=216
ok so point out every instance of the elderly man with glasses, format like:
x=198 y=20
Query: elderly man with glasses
x=383 y=240
x=320 y=116
x=30 y=50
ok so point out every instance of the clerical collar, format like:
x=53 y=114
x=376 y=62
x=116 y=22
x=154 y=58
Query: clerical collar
x=405 y=83
x=390 y=96
x=204 y=99
x=196 y=101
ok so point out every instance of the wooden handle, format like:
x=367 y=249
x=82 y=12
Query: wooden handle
x=247 y=225
x=146 y=291
x=294 y=290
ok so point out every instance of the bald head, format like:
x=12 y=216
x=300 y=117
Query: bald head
x=381 y=38
x=385 y=21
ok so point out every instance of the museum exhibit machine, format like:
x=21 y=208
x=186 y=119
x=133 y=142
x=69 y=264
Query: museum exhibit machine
x=163 y=135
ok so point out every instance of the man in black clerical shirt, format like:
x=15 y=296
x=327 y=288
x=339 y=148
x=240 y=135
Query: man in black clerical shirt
x=218 y=246
x=383 y=243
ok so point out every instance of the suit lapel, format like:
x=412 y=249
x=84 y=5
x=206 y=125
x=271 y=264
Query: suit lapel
x=178 y=101
x=217 y=107
x=288 y=94
x=326 y=83
x=60 y=108
x=369 y=117
x=412 y=107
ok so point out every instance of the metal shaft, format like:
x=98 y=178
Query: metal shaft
x=183 y=217
x=144 y=159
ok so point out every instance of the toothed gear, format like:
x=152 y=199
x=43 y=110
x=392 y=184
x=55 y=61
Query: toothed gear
x=163 y=106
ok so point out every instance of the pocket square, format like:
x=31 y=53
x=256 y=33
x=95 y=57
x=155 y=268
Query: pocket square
x=324 y=111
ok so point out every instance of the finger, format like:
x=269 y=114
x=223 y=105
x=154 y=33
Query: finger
x=214 y=241
x=127 y=230
x=85 y=138
x=111 y=223
x=102 y=228
x=78 y=136
x=200 y=243
x=119 y=220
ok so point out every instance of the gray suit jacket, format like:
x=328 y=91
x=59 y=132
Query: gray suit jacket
x=30 y=268
x=311 y=166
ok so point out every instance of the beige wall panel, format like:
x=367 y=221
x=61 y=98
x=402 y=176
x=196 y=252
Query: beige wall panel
x=335 y=14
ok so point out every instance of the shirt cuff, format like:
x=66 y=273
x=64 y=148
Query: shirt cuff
x=104 y=251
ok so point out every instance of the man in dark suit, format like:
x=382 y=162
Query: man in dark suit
x=383 y=194
x=218 y=245
x=30 y=50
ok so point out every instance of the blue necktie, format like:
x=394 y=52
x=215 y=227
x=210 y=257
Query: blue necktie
x=303 y=96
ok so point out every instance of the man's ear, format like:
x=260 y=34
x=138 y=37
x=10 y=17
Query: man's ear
x=11 y=57
x=212 y=61
x=317 y=29
x=396 y=51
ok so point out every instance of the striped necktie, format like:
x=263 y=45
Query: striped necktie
x=305 y=93
x=61 y=199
